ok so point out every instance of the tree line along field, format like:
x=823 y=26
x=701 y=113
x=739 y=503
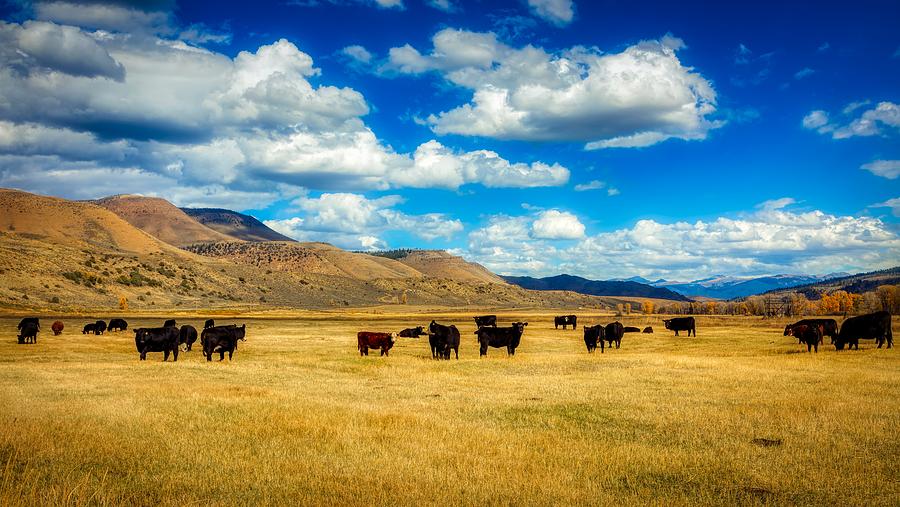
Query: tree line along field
x=736 y=415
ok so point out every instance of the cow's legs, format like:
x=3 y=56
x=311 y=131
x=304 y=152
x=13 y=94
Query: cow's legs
x=208 y=355
x=166 y=355
x=175 y=353
x=230 y=352
x=221 y=355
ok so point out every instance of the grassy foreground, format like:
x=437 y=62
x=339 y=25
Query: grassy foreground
x=299 y=418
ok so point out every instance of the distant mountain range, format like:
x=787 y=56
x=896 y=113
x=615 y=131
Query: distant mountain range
x=595 y=287
x=730 y=287
x=857 y=284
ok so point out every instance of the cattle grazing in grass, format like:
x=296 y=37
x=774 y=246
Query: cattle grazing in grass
x=810 y=334
x=509 y=337
x=222 y=339
x=614 y=332
x=57 y=328
x=157 y=339
x=412 y=332
x=592 y=336
x=209 y=323
x=828 y=327
x=89 y=328
x=366 y=340
x=117 y=325
x=648 y=330
x=29 y=320
x=28 y=331
x=681 y=324
x=630 y=329
x=187 y=335
x=169 y=323
x=565 y=320
x=875 y=326
x=486 y=320
x=99 y=327
x=442 y=339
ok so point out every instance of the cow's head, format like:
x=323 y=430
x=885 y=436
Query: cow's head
x=241 y=333
x=520 y=326
x=667 y=322
x=393 y=337
x=788 y=330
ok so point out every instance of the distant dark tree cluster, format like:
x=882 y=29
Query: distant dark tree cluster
x=395 y=254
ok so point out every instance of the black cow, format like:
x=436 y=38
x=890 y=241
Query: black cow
x=89 y=328
x=117 y=325
x=412 y=332
x=486 y=320
x=630 y=329
x=648 y=330
x=810 y=334
x=865 y=327
x=28 y=331
x=681 y=324
x=614 y=332
x=169 y=323
x=187 y=335
x=828 y=327
x=592 y=336
x=29 y=320
x=209 y=323
x=497 y=337
x=157 y=339
x=99 y=327
x=565 y=320
x=222 y=339
x=442 y=339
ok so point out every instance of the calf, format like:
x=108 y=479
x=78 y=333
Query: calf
x=222 y=339
x=592 y=336
x=89 y=328
x=117 y=325
x=873 y=325
x=57 y=328
x=486 y=320
x=209 y=323
x=630 y=329
x=99 y=327
x=366 y=340
x=28 y=332
x=811 y=335
x=497 y=337
x=565 y=320
x=828 y=327
x=648 y=330
x=187 y=335
x=681 y=324
x=614 y=332
x=412 y=332
x=442 y=339
x=157 y=339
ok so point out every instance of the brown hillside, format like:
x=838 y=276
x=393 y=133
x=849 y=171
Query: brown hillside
x=440 y=264
x=234 y=224
x=161 y=219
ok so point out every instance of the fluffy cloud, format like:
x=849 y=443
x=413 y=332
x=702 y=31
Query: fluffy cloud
x=558 y=12
x=591 y=185
x=889 y=169
x=358 y=53
x=638 y=97
x=894 y=204
x=767 y=241
x=870 y=123
x=554 y=224
x=352 y=221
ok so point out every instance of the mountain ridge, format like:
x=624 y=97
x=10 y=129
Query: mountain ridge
x=595 y=287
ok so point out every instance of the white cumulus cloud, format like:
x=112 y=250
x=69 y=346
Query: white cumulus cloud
x=557 y=12
x=554 y=224
x=883 y=119
x=889 y=169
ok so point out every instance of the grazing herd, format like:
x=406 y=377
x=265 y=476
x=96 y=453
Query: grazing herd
x=444 y=340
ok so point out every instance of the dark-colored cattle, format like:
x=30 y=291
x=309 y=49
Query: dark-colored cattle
x=89 y=328
x=99 y=327
x=594 y=335
x=187 y=335
x=810 y=334
x=57 y=328
x=486 y=320
x=169 y=323
x=614 y=332
x=648 y=330
x=366 y=340
x=28 y=332
x=117 y=325
x=865 y=327
x=565 y=320
x=157 y=339
x=630 y=329
x=412 y=332
x=497 y=337
x=442 y=339
x=681 y=324
x=29 y=320
x=209 y=323
x=829 y=327
x=222 y=339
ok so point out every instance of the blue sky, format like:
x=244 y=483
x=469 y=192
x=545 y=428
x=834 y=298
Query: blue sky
x=534 y=136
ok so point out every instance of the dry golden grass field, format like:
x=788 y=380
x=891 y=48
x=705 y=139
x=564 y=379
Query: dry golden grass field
x=300 y=418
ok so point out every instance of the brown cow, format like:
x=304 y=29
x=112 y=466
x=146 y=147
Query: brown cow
x=811 y=335
x=367 y=340
x=57 y=328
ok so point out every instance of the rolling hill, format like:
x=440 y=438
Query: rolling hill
x=161 y=219
x=595 y=287
x=234 y=224
x=858 y=283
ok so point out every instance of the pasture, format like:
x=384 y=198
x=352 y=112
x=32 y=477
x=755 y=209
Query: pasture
x=736 y=415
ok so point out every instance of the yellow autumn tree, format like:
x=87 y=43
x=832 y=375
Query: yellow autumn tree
x=123 y=303
x=647 y=307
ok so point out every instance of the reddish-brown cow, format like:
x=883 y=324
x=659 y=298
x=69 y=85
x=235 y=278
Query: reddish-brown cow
x=57 y=328
x=368 y=340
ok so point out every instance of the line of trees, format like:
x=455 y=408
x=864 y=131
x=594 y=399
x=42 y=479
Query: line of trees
x=885 y=297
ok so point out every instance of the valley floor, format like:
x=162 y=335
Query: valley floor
x=736 y=415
